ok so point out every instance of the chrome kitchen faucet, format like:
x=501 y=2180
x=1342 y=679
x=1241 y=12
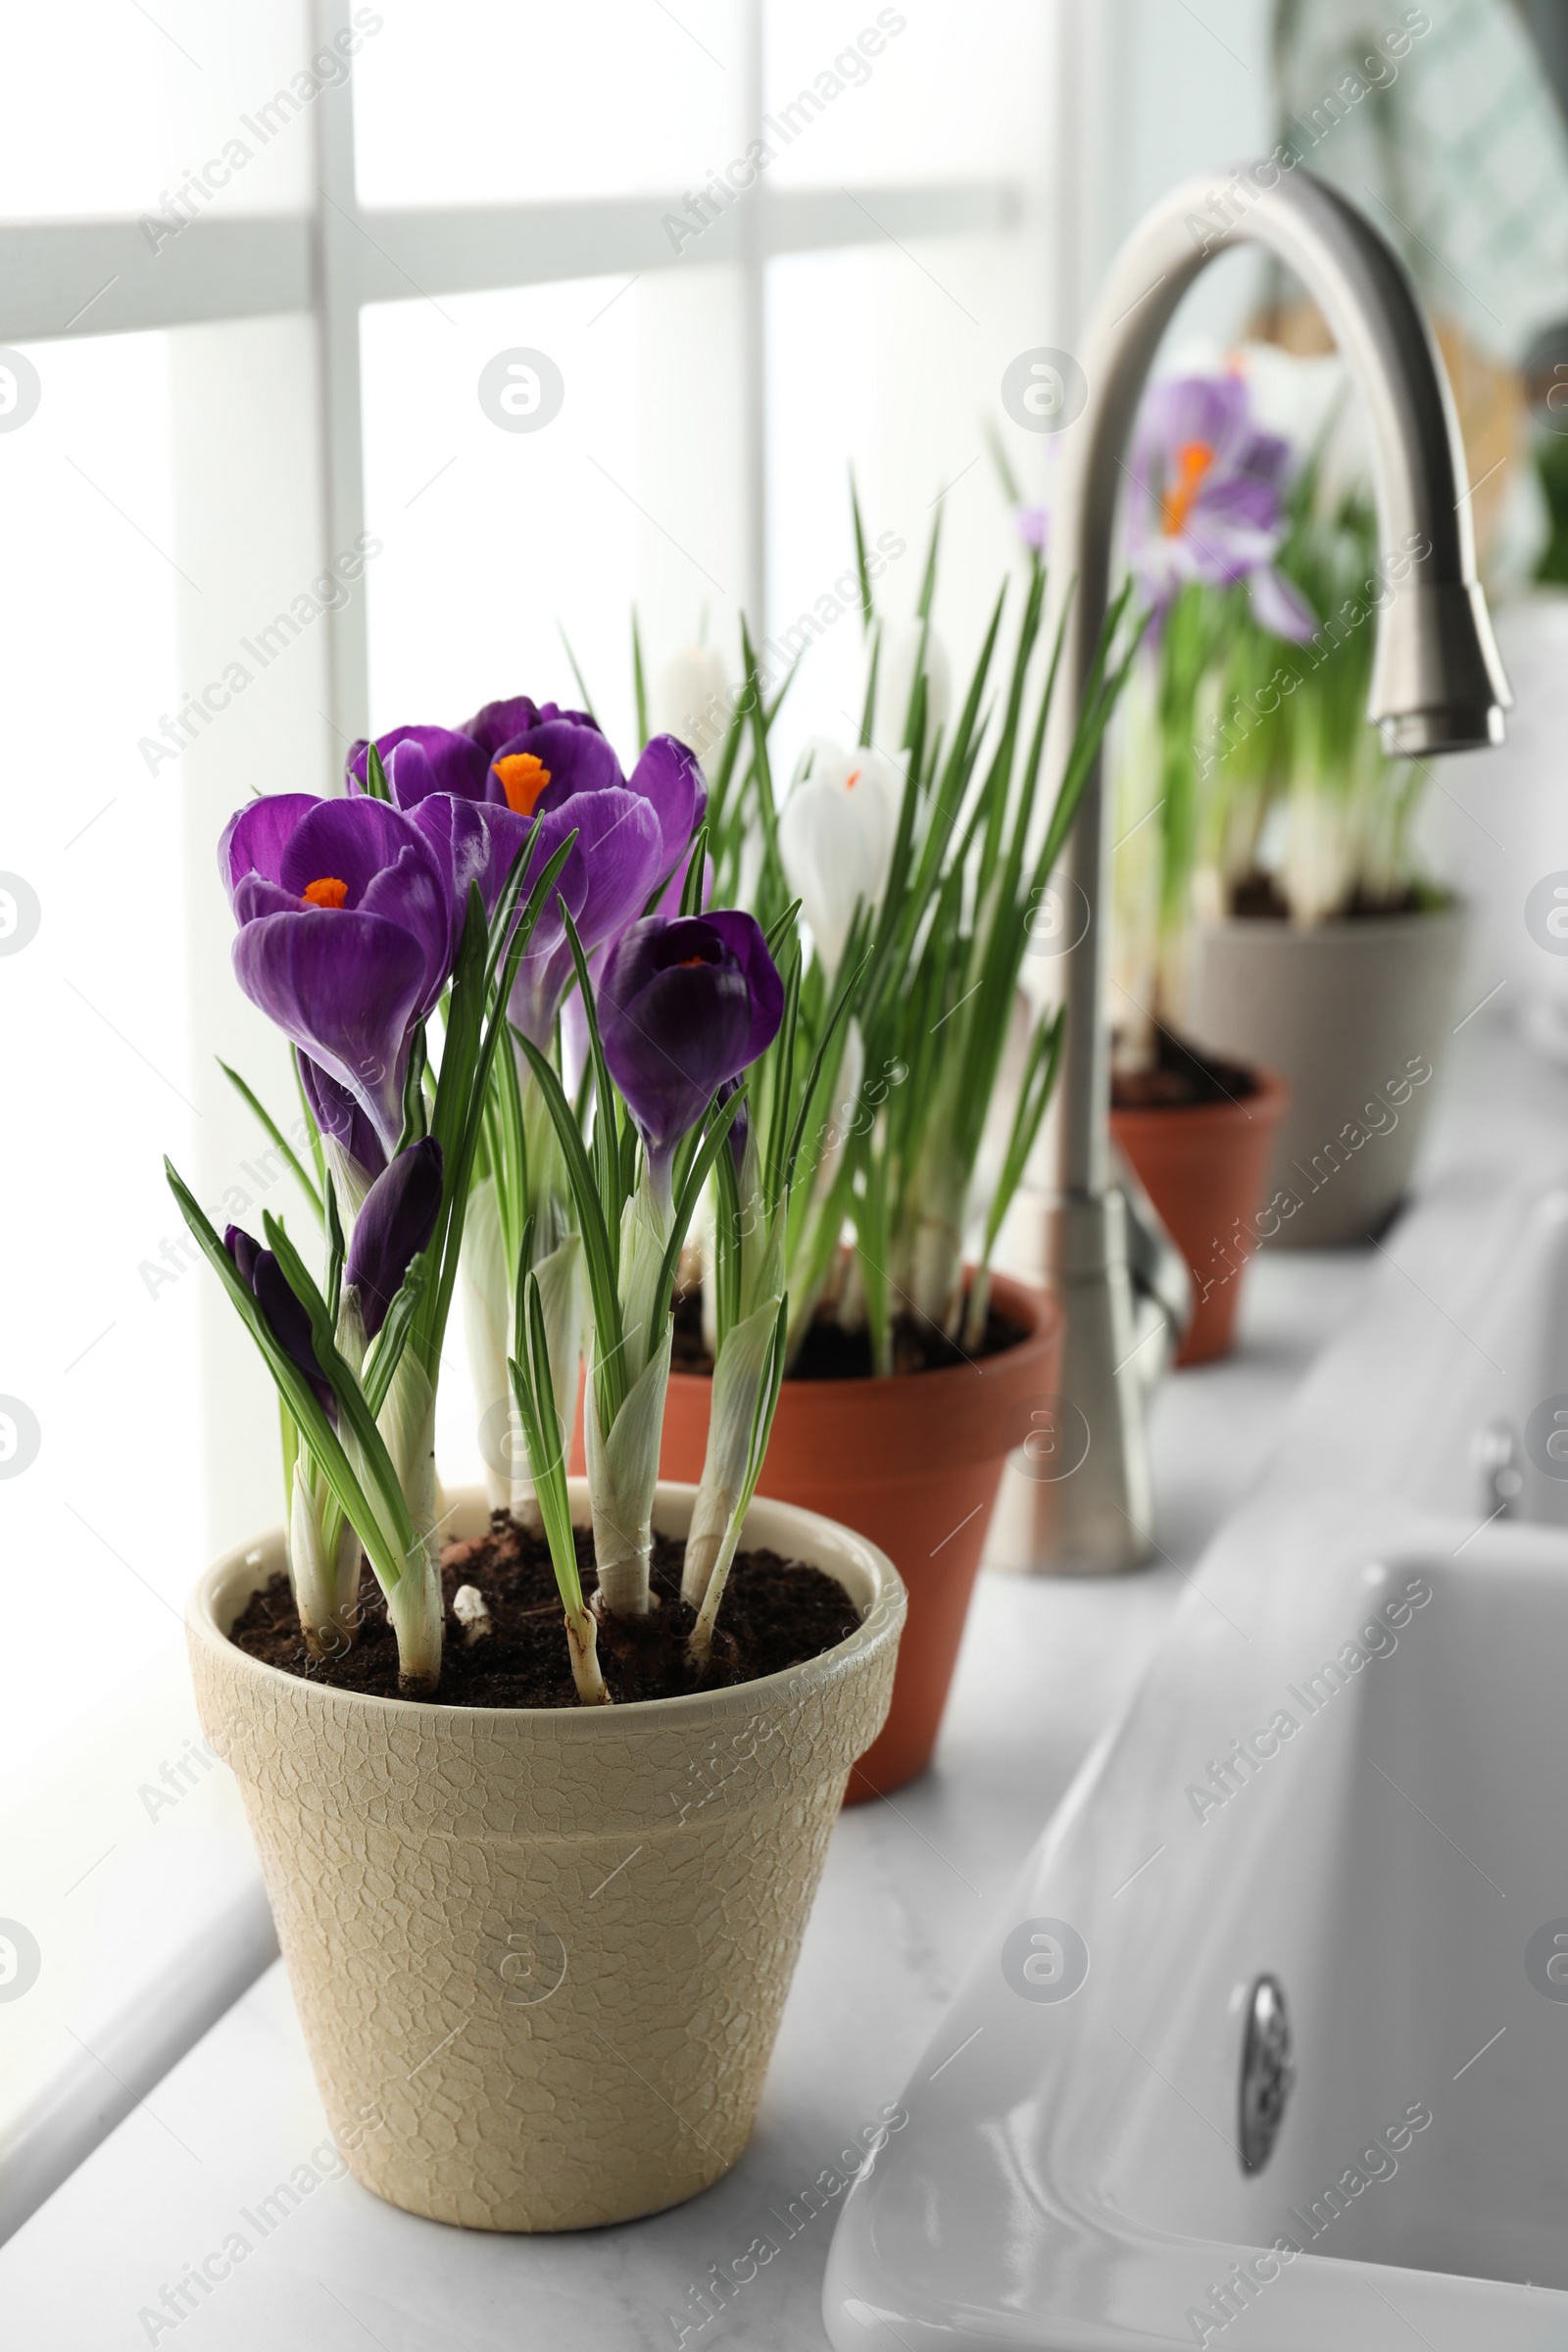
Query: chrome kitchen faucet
x=1437 y=685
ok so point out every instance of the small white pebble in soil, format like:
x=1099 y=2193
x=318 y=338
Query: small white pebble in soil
x=469 y=1609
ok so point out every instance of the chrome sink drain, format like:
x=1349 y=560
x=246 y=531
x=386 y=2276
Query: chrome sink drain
x=1267 y=2073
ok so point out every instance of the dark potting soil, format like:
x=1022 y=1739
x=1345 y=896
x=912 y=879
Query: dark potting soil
x=1180 y=1078
x=775 y=1613
x=1258 y=896
x=830 y=1352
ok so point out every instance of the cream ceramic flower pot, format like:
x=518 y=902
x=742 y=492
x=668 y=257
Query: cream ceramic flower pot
x=540 y=1955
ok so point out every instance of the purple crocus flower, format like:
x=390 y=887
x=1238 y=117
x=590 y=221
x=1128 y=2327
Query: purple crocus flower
x=564 y=755
x=684 y=1006
x=286 y=1319
x=633 y=833
x=1033 y=526
x=347 y=934
x=1208 y=500
x=394 y=1225
x=441 y=778
x=434 y=760
x=498 y=722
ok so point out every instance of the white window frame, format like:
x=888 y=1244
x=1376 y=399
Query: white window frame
x=63 y=279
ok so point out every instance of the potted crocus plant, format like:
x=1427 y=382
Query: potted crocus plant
x=911 y=1370
x=1320 y=949
x=1207 y=517
x=541 y=1795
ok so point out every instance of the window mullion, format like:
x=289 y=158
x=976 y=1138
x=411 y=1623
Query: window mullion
x=338 y=240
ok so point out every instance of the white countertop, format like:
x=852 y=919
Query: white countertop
x=908 y=1886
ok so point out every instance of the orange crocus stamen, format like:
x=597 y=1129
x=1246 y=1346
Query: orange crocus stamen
x=523 y=777
x=329 y=892
x=850 y=781
x=1193 y=460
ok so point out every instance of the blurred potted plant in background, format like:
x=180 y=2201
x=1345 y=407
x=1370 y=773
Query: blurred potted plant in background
x=920 y=861
x=1207 y=519
x=1318 y=948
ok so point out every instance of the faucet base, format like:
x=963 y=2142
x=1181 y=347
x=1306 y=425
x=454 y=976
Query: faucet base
x=1078 y=1501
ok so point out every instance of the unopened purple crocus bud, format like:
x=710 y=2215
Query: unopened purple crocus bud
x=286 y=1319
x=683 y=1007
x=394 y=1225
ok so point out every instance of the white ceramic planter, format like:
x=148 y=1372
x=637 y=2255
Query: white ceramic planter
x=1349 y=1014
x=540 y=1955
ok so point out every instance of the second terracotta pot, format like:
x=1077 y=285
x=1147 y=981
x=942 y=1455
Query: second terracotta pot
x=913 y=1464
x=1205 y=1165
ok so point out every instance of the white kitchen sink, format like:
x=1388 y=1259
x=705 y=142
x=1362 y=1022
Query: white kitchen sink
x=1390 y=1863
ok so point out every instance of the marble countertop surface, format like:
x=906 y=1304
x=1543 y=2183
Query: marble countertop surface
x=910 y=1885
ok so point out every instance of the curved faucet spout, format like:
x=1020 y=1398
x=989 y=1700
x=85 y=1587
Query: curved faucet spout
x=1437 y=685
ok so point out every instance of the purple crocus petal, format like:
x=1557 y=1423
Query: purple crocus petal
x=254 y=896
x=669 y=902
x=394 y=1225
x=243 y=1249
x=337 y=1113
x=256 y=837
x=1240 y=502
x=670 y=778
x=285 y=1318
x=742 y=935
x=619 y=852
x=1213 y=409
x=740 y=1128
x=419 y=760
x=623 y=846
x=1279 y=605
x=387 y=868
x=478 y=841
x=346 y=987
x=499 y=721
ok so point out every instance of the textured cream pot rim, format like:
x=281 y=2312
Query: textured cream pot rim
x=866 y=1574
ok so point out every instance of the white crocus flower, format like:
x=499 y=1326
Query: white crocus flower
x=895 y=682
x=835 y=834
x=691 y=700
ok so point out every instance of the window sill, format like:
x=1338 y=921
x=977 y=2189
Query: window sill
x=130 y=1873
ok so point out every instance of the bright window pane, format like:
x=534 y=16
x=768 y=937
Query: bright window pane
x=156 y=514
x=495 y=539
x=913 y=432
x=858 y=94
x=609 y=100
x=101 y=1400
x=151 y=103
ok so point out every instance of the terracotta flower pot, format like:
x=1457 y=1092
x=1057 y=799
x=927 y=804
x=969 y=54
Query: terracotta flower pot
x=540 y=1955
x=913 y=1463
x=1205 y=1167
x=1357 y=1016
